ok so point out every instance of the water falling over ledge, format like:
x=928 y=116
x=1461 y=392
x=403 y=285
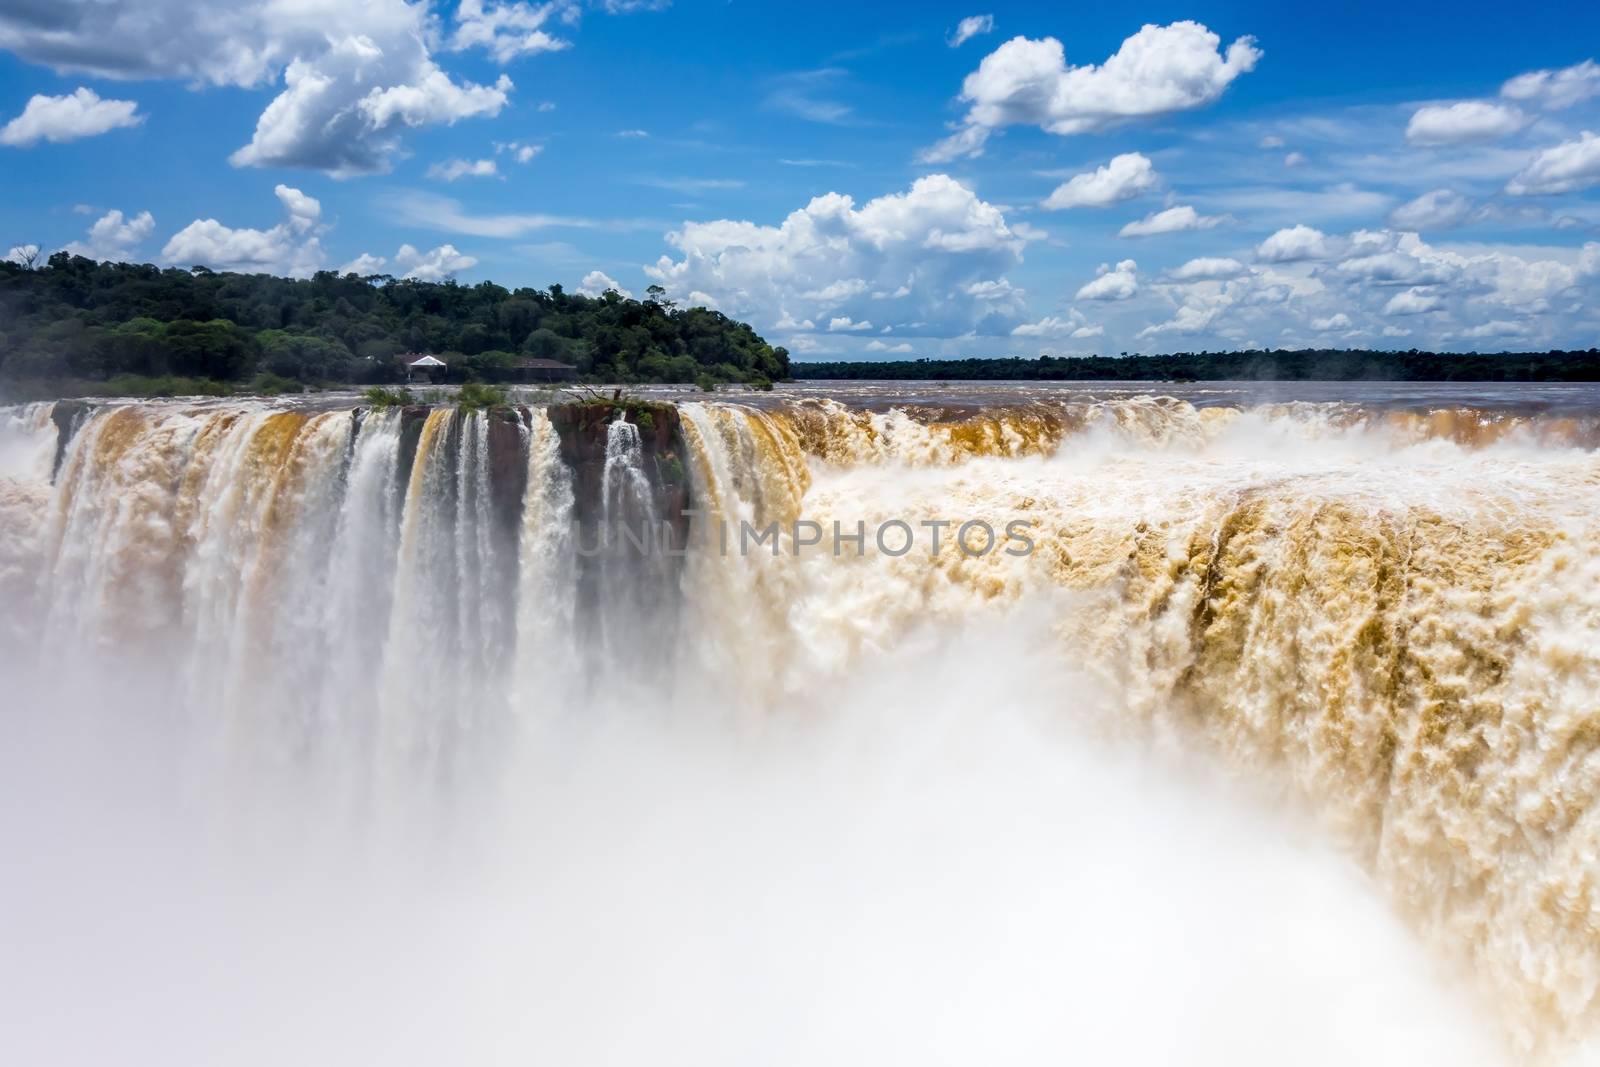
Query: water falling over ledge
x=1390 y=622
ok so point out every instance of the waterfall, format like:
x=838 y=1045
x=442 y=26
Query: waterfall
x=547 y=594
x=1389 y=619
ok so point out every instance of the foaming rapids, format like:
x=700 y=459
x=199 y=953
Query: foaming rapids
x=425 y=734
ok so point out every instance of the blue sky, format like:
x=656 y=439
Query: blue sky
x=856 y=180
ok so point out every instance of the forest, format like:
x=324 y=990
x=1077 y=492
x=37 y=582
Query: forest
x=1302 y=365
x=75 y=324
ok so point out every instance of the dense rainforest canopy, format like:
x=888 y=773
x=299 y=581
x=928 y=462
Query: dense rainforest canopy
x=75 y=319
x=1302 y=365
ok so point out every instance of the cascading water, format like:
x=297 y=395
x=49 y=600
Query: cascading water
x=1389 y=621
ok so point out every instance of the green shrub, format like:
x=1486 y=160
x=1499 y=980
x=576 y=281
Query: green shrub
x=475 y=396
x=706 y=383
x=379 y=397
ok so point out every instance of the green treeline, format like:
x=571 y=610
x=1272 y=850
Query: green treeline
x=1331 y=364
x=77 y=320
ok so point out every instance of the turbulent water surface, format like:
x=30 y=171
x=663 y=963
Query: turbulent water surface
x=1264 y=730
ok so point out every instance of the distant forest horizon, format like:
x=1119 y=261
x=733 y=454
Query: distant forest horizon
x=1330 y=364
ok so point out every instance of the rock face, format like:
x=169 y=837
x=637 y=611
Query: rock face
x=584 y=429
x=68 y=415
x=628 y=534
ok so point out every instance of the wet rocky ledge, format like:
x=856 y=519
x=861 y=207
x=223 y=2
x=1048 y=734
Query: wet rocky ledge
x=584 y=430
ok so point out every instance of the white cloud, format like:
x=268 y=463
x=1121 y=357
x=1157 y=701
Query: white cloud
x=1495 y=328
x=596 y=282
x=1190 y=318
x=845 y=324
x=23 y=255
x=1208 y=268
x=1112 y=283
x=1172 y=220
x=1125 y=177
x=434 y=265
x=970 y=27
x=292 y=247
x=1270 y=141
x=1157 y=71
x=899 y=349
x=354 y=76
x=505 y=31
x=1339 y=321
x=1074 y=325
x=633 y=135
x=365 y=264
x=1468 y=120
x=522 y=153
x=451 y=169
x=902 y=258
x=1555 y=89
x=1438 y=209
x=81 y=113
x=1411 y=302
x=114 y=238
x=1293 y=244
x=1565 y=168
x=1294 y=159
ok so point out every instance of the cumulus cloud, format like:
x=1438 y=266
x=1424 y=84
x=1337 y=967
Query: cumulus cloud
x=365 y=264
x=292 y=247
x=505 y=31
x=114 y=238
x=1074 y=325
x=355 y=75
x=882 y=346
x=1112 y=283
x=906 y=258
x=1468 y=120
x=1208 y=268
x=434 y=265
x=1411 y=302
x=1378 y=280
x=1565 y=168
x=1172 y=220
x=519 y=151
x=1157 y=71
x=1293 y=244
x=1554 y=90
x=1125 y=177
x=1435 y=210
x=81 y=113
x=970 y=27
x=450 y=170
x=1294 y=159
x=596 y=282
x=1495 y=328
